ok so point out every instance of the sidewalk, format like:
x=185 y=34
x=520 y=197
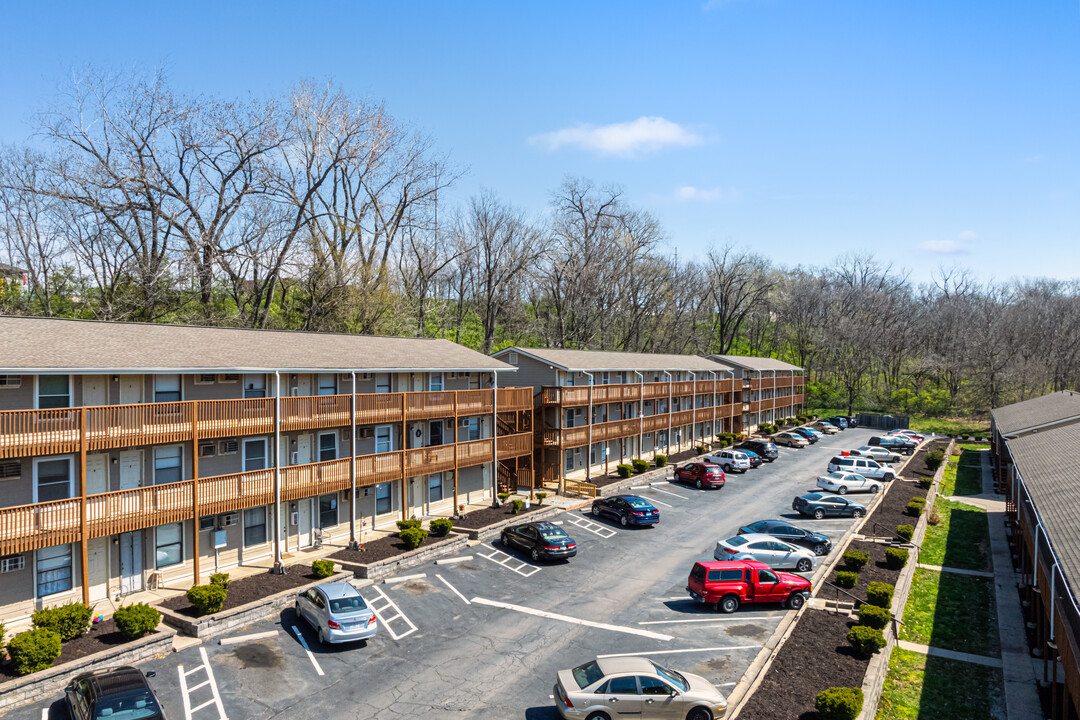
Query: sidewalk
x=949 y=654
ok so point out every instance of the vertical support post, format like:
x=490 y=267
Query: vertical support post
x=641 y=413
x=667 y=438
x=457 y=421
x=195 y=491
x=495 y=431
x=714 y=432
x=588 y=450
x=404 y=446
x=82 y=508
x=353 y=504
x=693 y=407
x=279 y=567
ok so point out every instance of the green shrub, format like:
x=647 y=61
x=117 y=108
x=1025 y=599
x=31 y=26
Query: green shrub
x=880 y=594
x=69 y=621
x=33 y=650
x=660 y=460
x=847 y=579
x=918 y=500
x=134 y=621
x=1 y=634
x=207 y=599
x=905 y=531
x=503 y=497
x=934 y=459
x=866 y=640
x=412 y=537
x=915 y=509
x=856 y=559
x=624 y=470
x=925 y=483
x=701 y=449
x=517 y=504
x=540 y=496
x=322 y=568
x=221 y=579
x=874 y=617
x=896 y=558
x=640 y=466
x=441 y=527
x=409 y=524
x=839 y=703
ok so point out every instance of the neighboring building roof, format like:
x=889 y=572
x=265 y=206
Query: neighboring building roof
x=32 y=344
x=749 y=362
x=589 y=360
x=6 y=269
x=1037 y=411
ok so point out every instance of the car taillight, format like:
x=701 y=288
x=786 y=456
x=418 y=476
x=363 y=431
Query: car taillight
x=730 y=551
x=571 y=545
x=640 y=513
x=565 y=698
x=332 y=625
x=371 y=620
x=551 y=547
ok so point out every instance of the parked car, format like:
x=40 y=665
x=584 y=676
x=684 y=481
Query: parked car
x=826 y=427
x=810 y=436
x=120 y=692
x=730 y=584
x=541 y=540
x=701 y=475
x=819 y=505
x=765 y=449
x=839 y=421
x=790 y=439
x=820 y=544
x=842 y=483
x=917 y=437
x=898 y=443
x=864 y=466
x=627 y=509
x=852 y=421
x=767 y=549
x=615 y=687
x=882 y=455
x=816 y=433
x=337 y=612
x=729 y=460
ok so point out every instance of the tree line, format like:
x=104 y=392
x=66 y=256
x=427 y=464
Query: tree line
x=317 y=210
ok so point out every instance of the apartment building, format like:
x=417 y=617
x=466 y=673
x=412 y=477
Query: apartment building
x=595 y=410
x=136 y=455
x=771 y=389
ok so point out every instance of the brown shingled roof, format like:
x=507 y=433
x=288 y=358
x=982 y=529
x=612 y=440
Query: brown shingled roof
x=750 y=362
x=1037 y=411
x=588 y=360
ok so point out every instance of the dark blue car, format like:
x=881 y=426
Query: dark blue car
x=839 y=421
x=627 y=509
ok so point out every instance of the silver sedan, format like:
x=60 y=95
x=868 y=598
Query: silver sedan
x=767 y=549
x=338 y=612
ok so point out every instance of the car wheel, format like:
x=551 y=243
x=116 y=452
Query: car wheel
x=729 y=604
x=819 y=514
x=857 y=513
x=820 y=549
x=875 y=488
x=842 y=490
x=322 y=637
x=804 y=565
x=598 y=716
x=890 y=477
x=726 y=468
x=504 y=541
x=698 y=484
x=534 y=554
x=796 y=601
x=624 y=521
x=596 y=510
x=699 y=713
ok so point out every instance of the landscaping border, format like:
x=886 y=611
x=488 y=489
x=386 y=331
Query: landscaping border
x=222 y=622
x=48 y=683
x=496 y=528
x=406 y=560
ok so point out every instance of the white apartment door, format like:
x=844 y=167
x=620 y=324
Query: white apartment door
x=95 y=391
x=303 y=449
x=130 y=462
x=283 y=456
x=131 y=580
x=131 y=389
x=97 y=473
x=97 y=568
x=303 y=384
x=418 y=382
x=304 y=524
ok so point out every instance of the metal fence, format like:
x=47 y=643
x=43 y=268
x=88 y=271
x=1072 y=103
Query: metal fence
x=882 y=422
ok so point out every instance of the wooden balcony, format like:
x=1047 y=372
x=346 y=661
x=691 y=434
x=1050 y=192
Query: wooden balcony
x=511 y=446
x=512 y=399
x=615 y=429
x=630 y=392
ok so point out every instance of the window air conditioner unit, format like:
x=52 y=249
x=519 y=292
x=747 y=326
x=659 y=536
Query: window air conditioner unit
x=365 y=376
x=464 y=422
x=345 y=377
x=204 y=379
x=230 y=519
x=344 y=435
x=228 y=378
x=10 y=470
x=10 y=381
x=207 y=450
x=365 y=432
x=228 y=447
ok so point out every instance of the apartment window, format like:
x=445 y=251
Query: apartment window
x=605 y=378
x=54 y=391
x=512 y=358
x=382 y=382
x=53 y=570
x=166 y=388
x=168 y=465
x=254 y=386
x=622 y=377
x=327 y=384
x=254 y=526
x=327 y=446
x=599 y=414
x=328 y=511
x=568 y=379
x=435 y=488
x=54 y=479
x=169 y=545
x=383 y=502
x=568 y=460
x=255 y=454
x=473 y=428
x=435 y=382
x=384 y=439
x=12 y=563
x=10 y=381
x=207 y=522
x=435 y=433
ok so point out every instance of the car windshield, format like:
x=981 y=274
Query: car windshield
x=130 y=705
x=347 y=604
x=736 y=541
x=837 y=475
x=585 y=675
x=712 y=470
x=638 y=503
x=672 y=677
x=553 y=534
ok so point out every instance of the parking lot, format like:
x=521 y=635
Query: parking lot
x=482 y=637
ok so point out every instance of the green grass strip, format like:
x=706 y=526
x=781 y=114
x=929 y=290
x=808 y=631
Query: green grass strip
x=918 y=686
x=952 y=612
x=960 y=540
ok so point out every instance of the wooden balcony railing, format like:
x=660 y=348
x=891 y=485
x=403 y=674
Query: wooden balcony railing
x=300 y=481
x=126 y=510
x=28 y=527
x=512 y=399
x=511 y=446
x=110 y=426
x=236 y=491
x=630 y=392
x=309 y=412
x=474 y=452
x=222 y=418
x=38 y=432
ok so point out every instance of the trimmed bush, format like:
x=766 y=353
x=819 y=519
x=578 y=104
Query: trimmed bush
x=33 y=650
x=207 y=599
x=915 y=509
x=660 y=460
x=701 y=449
x=441 y=527
x=503 y=497
x=880 y=594
x=847 y=579
x=517 y=504
x=221 y=579
x=412 y=537
x=866 y=640
x=934 y=459
x=1 y=634
x=134 y=621
x=69 y=620
x=409 y=524
x=896 y=558
x=540 y=496
x=874 y=617
x=856 y=559
x=322 y=568
x=640 y=466
x=839 y=703
x=905 y=531
x=624 y=470
x=918 y=500
x=924 y=483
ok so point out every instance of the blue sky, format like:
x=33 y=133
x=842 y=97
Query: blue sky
x=926 y=132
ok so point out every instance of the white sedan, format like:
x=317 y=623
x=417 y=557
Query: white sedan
x=767 y=549
x=842 y=483
x=880 y=454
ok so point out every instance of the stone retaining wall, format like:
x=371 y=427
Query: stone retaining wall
x=491 y=531
x=394 y=565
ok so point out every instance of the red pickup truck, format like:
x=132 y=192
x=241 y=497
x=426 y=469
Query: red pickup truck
x=729 y=583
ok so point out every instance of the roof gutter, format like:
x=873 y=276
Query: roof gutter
x=224 y=370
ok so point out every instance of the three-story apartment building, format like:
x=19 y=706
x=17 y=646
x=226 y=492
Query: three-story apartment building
x=134 y=455
x=771 y=389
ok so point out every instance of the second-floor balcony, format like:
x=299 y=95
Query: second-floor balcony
x=615 y=429
x=576 y=396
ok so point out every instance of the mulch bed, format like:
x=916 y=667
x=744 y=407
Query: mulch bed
x=101 y=636
x=874 y=571
x=490 y=515
x=916 y=469
x=613 y=476
x=250 y=589
x=892 y=510
x=815 y=657
x=385 y=548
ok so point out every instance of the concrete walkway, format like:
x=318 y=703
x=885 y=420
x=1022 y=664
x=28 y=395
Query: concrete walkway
x=951 y=655
x=957 y=571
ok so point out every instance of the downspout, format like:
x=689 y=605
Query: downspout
x=641 y=413
x=714 y=433
x=495 y=432
x=1035 y=565
x=1053 y=584
x=588 y=452
x=667 y=439
x=693 y=406
x=279 y=568
x=352 y=468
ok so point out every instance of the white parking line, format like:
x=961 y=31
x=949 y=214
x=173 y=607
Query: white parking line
x=668 y=492
x=247 y=638
x=387 y=618
x=589 y=526
x=403 y=578
x=311 y=655
x=660 y=502
x=676 y=652
x=743 y=617
x=498 y=557
x=453 y=560
x=210 y=682
x=44 y=713
x=453 y=589
x=568 y=619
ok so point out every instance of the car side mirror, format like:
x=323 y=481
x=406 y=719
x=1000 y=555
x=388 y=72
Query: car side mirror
x=69 y=688
x=673 y=693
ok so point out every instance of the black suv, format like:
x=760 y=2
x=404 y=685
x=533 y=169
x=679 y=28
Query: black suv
x=541 y=540
x=766 y=450
x=820 y=544
x=118 y=691
x=893 y=442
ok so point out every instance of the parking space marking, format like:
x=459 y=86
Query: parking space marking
x=387 y=618
x=453 y=560
x=453 y=589
x=186 y=692
x=744 y=617
x=44 y=713
x=247 y=638
x=512 y=564
x=568 y=619
x=668 y=492
x=403 y=578
x=676 y=652
x=311 y=655
x=660 y=502
x=589 y=526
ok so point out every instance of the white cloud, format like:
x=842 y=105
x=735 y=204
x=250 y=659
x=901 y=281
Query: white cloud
x=622 y=139
x=689 y=193
x=959 y=245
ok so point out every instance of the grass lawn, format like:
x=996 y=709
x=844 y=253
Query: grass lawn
x=963 y=473
x=918 y=686
x=952 y=612
x=960 y=540
x=967 y=427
